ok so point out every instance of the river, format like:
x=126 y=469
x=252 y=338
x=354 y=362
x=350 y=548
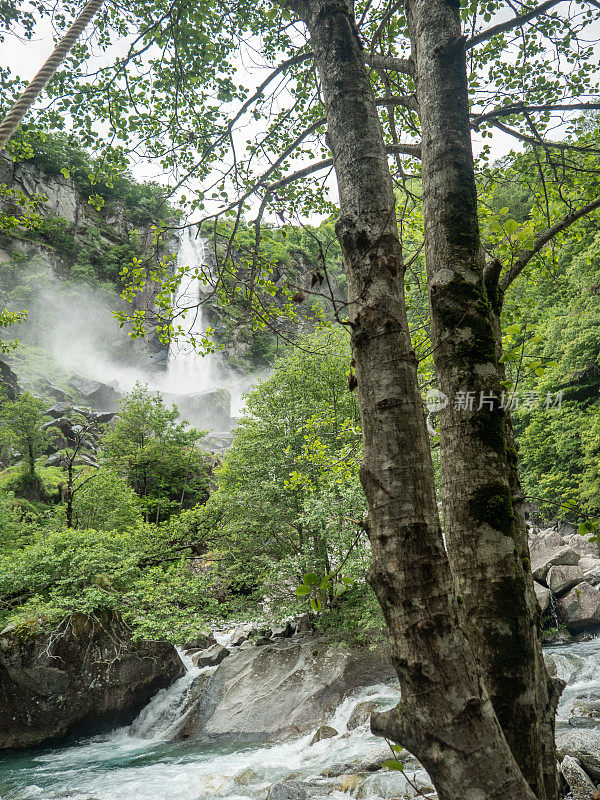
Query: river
x=138 y=763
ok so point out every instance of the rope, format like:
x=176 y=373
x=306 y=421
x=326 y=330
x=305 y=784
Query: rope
x=11 y=121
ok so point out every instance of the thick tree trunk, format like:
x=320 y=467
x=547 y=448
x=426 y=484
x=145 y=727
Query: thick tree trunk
x=487 y=546
x=445 y=717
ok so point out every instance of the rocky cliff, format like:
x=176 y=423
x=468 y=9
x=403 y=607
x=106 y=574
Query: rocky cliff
x=85 y=673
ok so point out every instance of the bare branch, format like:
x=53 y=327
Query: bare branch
x=403 y=65
x=515 y=22
x=546 y=143
x=408 y=101
x=521 y=108
x=542 y=239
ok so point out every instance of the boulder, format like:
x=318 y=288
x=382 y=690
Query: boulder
x=283 y=631
x=542 y=595
x=561 y=578
x=288 y=790
x=323 y=732
x=202 y=642
x=210 y=657
x=585 y=713
x=545 y=554
x=304 y=624
x=580 y=608
x=102 y=417
x=98 y=395
x=583 y=545
x=262 y=640
x=86 y=673
x=284 y=689
x=591 y=569
x=361 y=713
x=238 y=637
x=584 y=745
x=579 y=782
x=9 y=386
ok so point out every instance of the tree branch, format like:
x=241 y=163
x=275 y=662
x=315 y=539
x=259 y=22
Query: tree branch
x=523 y=137
x=404 y=65
x=542 y=239
x=515 y=22
x=521 y=108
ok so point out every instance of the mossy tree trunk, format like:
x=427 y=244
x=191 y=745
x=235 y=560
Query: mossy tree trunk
x=445 y=717
x=487 y=543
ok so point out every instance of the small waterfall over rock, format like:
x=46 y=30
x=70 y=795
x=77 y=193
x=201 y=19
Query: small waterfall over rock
x=187 y=370
x=165 y=714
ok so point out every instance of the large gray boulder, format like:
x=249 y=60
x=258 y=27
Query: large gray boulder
x=283 y=689
x=211 y=657
x=580 y=608
x=546 y=554
x=86 y=673
x=561 y=578
x=584 y=745
x=579 y=782
x=211 y=409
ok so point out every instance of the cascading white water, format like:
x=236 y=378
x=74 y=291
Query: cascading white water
x=187 y=370
x=164 y=714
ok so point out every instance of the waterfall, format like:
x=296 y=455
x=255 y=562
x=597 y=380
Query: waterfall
x=187 y=370
x=166 y=712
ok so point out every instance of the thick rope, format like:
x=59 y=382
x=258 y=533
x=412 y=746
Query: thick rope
x=11 y=121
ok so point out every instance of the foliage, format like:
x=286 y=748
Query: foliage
x=20 y=422
x=106 y=502
x=156 y=454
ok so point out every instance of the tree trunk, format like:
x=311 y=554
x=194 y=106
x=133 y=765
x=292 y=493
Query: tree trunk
x=486 y=544
x=445 y=717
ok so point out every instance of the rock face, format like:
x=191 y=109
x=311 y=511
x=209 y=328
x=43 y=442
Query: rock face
x=9 y=386
x=580 y=608
x=210 y=409
x=284 y=689
x=84 y=674
x=584 y=745
x=542 y=595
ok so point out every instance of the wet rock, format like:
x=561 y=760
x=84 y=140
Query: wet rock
x=561 y=578
x=544 y=555
x=238 y=638
x=375 y=760
x=585 y=713
x=284 y=689
x=584 y=745
x=350 y=783
x=324 y=732
x=360 y=714
x=289 y=790
x=210 y=409
x=211 y=657
x=202 y=642
x=83 y=674
x=561 y=636
x=580 y=608
x=579 y=782
x=246 y=777
x=542 y=595
x=262 y=640
x=102 y=417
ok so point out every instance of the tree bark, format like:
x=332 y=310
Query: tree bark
x=445 y=716
x=487 y=543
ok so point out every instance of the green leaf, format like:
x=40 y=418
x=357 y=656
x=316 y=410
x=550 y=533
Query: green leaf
x=312 y=579
x=65 y=172
x=516 y=328
x=303 y=590
x=393 y=763
x=315 y=604
x=339 y=589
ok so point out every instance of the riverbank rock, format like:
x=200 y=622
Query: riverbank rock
x=562 y=578
x=210 y=657
x=324 y=732
x=579 y=782
x=580 y=608
x=546 y=554
x=85 y=674
x=584 y=745
x=283 y=689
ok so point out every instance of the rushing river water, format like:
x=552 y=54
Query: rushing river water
x=138 y=763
